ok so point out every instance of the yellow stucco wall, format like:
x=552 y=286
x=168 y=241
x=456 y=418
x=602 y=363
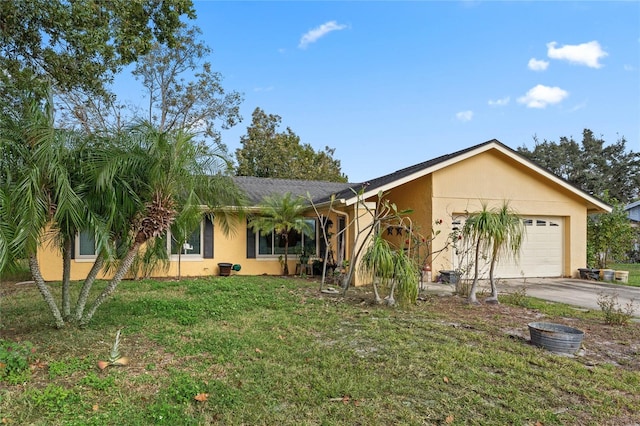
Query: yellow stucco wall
x=416 y=196
x=493 y=177
x=230 y=248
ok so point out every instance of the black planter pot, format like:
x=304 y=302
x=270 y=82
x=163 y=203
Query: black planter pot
x=589 y=274
x=450 y=277
x=225 y=269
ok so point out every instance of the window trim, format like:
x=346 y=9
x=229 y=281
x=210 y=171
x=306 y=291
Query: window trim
x=272 y=255
x=188 y=256
x=83 y=257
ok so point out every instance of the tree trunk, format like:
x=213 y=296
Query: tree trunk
x=179 y=263
x=378 y=299
x=494 y=288
x=324 y=265
x=66 y=278
x=474 y=286
x=391 y=300
x=126 y=263
x=285 y=269
x=44 y=291
x=86 y=287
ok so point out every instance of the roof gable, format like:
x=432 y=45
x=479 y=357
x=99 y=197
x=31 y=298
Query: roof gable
x=417 y=171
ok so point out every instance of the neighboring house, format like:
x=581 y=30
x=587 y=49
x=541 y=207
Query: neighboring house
x=441 y=190
x=633 y=211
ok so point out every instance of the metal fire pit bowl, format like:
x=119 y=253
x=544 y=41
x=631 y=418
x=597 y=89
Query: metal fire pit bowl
x=556 y=337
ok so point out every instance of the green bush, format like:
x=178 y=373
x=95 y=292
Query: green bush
x=517 y=298
x=614 y=314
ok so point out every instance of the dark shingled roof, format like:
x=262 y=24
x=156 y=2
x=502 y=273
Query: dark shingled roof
x=376 y=183
x=257 y=188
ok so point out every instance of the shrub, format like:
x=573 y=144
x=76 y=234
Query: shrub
x=517 y=298
x=614 y=314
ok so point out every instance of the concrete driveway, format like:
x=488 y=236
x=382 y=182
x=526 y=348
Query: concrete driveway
x=580 y=293
x=574 y=292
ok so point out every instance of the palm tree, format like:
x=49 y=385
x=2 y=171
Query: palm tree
x=281 y=214
x=378 y=261
x=393 y=267
x=126 y=188
x=151 y=176
x=479 y=228
x=507 y=235
x=36 y=182
x=493 y=231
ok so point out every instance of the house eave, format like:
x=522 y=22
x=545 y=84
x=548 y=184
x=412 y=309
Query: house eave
x=593 y=204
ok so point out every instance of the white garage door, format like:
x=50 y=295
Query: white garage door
x=541 y=255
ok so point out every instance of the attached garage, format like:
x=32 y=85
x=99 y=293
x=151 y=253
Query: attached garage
x=541 y=254
x=449 y=188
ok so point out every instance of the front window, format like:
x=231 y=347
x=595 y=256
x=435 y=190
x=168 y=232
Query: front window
x=191 y=247
x=85 y=245
x=273 y=244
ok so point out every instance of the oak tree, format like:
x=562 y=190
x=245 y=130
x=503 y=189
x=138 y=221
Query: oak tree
x=79 y=44
x=592 y=165
x=266 y=152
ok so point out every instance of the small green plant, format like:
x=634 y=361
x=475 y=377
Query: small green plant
x=54 y=399
x=517 y=298
x=67 y=366
x=14 y=360
x=463 y=287
x=614 y=313
x=98 y=383
x=114 y=355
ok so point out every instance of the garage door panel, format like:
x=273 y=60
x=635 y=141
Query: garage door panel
x=542 y=250
x=541 y=254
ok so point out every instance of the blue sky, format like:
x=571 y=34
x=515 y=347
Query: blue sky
x=391 y=84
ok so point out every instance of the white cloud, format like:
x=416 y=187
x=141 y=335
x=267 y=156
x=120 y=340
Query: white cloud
x=464 y=116
x=500 y=102
x=313 y=35
x=537 y=64
x=587 y=54
x=629 y=67
x=541 y=96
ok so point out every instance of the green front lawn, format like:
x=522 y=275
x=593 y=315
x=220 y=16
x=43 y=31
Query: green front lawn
x=269 y=350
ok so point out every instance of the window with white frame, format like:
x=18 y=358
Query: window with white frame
x=85 y=245
x=191 y=247
x=273 y=244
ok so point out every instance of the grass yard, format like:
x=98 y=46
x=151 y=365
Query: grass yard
x=274 y=351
